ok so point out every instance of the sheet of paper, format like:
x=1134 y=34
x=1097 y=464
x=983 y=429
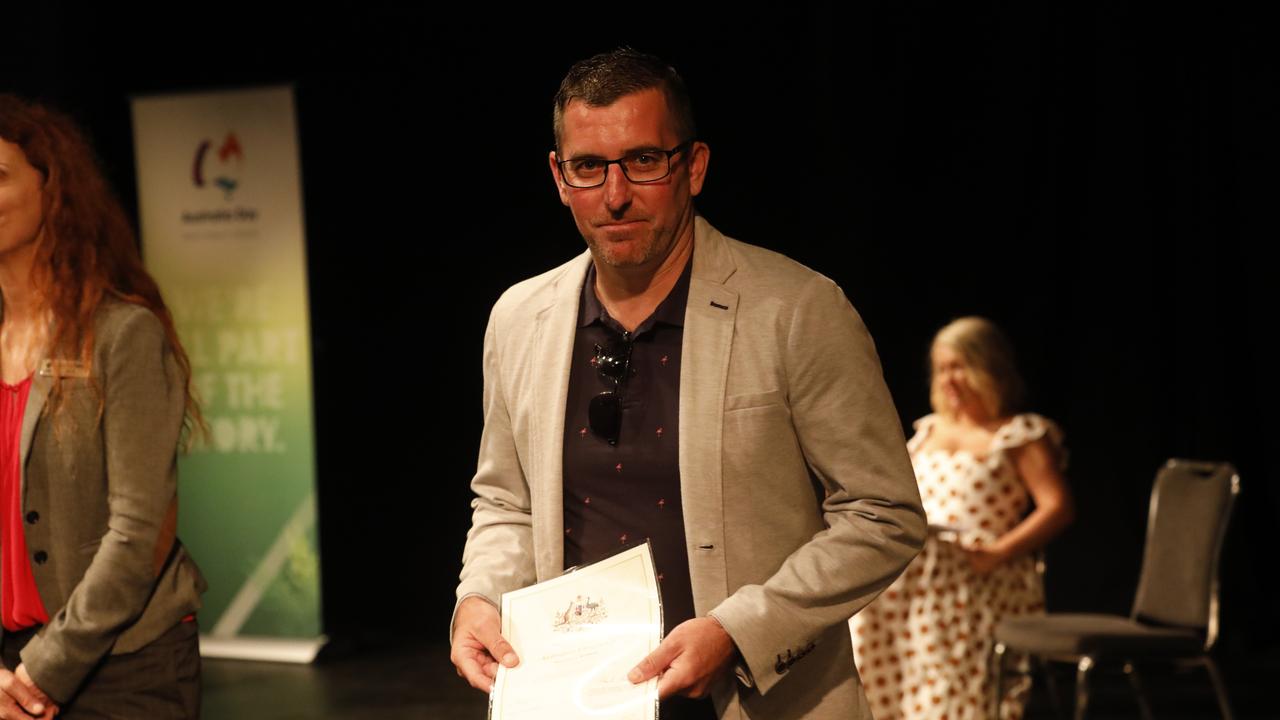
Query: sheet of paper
x=578 y=636
x=945 y=533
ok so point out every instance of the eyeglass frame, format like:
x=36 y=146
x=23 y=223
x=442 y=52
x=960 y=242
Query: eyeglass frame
x=683 y=147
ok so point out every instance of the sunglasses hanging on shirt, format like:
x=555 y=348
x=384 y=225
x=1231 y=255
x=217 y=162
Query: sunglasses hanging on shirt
x=613 y=362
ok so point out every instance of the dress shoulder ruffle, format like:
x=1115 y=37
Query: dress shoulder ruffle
x=1026 y=428
x=923 y=427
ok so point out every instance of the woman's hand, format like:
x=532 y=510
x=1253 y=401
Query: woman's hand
x=50 y=707
x=20 y=699
x=984 y=560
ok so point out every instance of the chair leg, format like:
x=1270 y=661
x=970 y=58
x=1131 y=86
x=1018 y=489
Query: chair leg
x=1051 y=685
x=1144 y=707
x=1219 y=687
x=1082 y=686
x=996 y=674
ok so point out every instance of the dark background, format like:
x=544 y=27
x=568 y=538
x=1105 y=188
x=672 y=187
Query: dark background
x=1091 y=179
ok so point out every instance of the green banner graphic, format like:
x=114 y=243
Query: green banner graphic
x=222 y=231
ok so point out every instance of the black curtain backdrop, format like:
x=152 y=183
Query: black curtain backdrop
x=1093 y=179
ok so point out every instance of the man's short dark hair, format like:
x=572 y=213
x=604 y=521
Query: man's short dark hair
x=601 y=80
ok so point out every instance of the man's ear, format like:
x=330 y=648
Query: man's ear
x=555 y=175
x=699 y=159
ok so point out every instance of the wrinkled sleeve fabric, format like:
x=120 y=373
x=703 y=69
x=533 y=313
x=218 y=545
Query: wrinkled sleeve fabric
x=851 y=439
x=144 y=400
x=498 y=555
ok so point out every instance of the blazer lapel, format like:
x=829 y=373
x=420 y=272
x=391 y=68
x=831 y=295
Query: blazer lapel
x=41 y=383
x=704 y=369
x=551 y=356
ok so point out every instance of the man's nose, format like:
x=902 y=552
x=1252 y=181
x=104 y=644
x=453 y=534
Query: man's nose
x=617 y=188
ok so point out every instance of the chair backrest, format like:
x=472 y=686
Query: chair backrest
x=1190 y=508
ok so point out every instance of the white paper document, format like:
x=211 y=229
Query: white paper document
x=578 y=636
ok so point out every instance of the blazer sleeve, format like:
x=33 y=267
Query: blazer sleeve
x=851 y=439
x=498 y=555
x=144 y=401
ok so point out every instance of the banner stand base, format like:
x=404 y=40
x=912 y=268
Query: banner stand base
x=264 y=649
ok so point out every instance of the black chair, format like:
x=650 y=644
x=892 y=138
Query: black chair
x=1175 y=612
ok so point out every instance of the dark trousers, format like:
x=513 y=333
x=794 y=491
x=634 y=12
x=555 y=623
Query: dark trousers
x=159 y=682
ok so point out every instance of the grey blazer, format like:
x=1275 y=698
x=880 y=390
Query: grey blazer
x=800 y=504
x=99 y=500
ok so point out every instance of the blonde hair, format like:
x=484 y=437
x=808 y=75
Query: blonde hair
x=989 y=364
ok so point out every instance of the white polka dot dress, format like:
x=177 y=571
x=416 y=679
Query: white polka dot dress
x=922 y=647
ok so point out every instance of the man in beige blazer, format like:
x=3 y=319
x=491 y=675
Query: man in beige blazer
x=799 y=501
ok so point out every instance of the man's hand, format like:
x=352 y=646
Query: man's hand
x=20 y=699
x=478 y=644
x=689 y=659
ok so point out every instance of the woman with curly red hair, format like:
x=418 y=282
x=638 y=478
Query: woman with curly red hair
x=96 y=593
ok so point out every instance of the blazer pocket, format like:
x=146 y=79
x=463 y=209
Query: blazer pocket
x=752 y=400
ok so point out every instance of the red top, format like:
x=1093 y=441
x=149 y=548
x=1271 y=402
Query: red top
x=20 y=605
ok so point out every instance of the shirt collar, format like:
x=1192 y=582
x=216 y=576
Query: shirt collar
x=669 y=312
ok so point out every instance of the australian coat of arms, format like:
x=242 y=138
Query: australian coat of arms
x=581 y=611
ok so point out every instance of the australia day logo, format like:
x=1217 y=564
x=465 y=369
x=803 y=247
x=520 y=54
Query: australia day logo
x=219 y=167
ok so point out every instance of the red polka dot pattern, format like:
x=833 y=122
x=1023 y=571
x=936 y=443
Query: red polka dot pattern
x=934 y=667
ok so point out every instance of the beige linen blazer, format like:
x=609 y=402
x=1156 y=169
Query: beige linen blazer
x=99 y=500
x=800 y=504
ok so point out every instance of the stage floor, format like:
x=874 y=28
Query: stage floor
x=391 y=680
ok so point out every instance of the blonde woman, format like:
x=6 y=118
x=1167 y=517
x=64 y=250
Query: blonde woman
x=991 y=481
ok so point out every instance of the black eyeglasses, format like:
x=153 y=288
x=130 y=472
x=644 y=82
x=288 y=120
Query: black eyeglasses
x=641 y=167
x=613 y=362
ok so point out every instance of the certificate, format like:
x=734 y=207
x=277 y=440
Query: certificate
x=945 y=533
x=578 y=636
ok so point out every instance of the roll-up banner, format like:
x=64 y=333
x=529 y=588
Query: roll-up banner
x=222 y=232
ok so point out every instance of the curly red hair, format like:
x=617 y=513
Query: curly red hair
x=88 y=248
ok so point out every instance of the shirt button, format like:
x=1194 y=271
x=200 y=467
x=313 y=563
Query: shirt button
x=33 y=517
x=40 y=557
